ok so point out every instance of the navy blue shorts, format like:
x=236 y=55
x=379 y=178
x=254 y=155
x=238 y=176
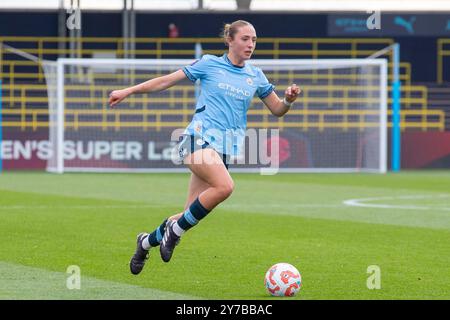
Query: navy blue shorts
x=189 y=143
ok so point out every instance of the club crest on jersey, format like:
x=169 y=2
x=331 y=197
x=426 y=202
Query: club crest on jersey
x=249 y=81
x=182 y=152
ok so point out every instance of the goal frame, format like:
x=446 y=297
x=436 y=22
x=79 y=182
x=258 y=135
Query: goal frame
x=294 y=64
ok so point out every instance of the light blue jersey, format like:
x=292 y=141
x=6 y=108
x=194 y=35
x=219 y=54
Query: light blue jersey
x=226 y=93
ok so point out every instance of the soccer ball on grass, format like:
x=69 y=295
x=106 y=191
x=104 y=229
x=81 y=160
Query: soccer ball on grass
x=283 y=279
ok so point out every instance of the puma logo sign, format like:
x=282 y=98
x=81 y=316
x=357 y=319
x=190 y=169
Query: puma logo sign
x=407 y=24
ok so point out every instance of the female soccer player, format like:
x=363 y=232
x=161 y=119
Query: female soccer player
x=228 y=84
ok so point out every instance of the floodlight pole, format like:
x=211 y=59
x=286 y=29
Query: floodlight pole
x=61 y=29
x=125 y=29
x=128 y=29
x=132 y=29
x=243 y=5
x=75 y=34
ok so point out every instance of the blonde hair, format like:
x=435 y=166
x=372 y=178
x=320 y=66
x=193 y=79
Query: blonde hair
x=230 y=29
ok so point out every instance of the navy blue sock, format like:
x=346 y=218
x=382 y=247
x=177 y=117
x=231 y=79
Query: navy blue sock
x=193 y=215
x=156 y=236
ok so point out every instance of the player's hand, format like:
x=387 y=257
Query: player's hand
x=292 y=93
x=116 y=96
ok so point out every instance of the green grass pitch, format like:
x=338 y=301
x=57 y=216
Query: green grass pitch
x=332 y=227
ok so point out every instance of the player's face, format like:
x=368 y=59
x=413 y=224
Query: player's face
x=244 y=42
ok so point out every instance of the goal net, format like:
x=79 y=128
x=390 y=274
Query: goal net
x=338 y=123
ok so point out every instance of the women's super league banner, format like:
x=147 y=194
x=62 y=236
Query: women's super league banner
x=154 y=150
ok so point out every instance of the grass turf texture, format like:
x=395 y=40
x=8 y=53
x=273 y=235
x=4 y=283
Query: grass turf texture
x=49 y=222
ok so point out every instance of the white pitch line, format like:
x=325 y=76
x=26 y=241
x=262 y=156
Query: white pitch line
x=282 y=205
x=360 y=202
x=225 y=206
x=21 y=282
x=78 y=207
x=350 y=202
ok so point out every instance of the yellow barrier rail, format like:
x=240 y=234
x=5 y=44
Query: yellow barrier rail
x=413 y=96
x=112 y=119
x=158 y=48
x=168 y=47
x=9 y=73
x=27 y=96
x=443 y=50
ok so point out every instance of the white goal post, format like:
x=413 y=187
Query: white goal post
x=338 y=124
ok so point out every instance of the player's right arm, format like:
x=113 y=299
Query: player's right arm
x=152 y=85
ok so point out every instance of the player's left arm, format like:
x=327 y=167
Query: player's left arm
x=278 y=107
